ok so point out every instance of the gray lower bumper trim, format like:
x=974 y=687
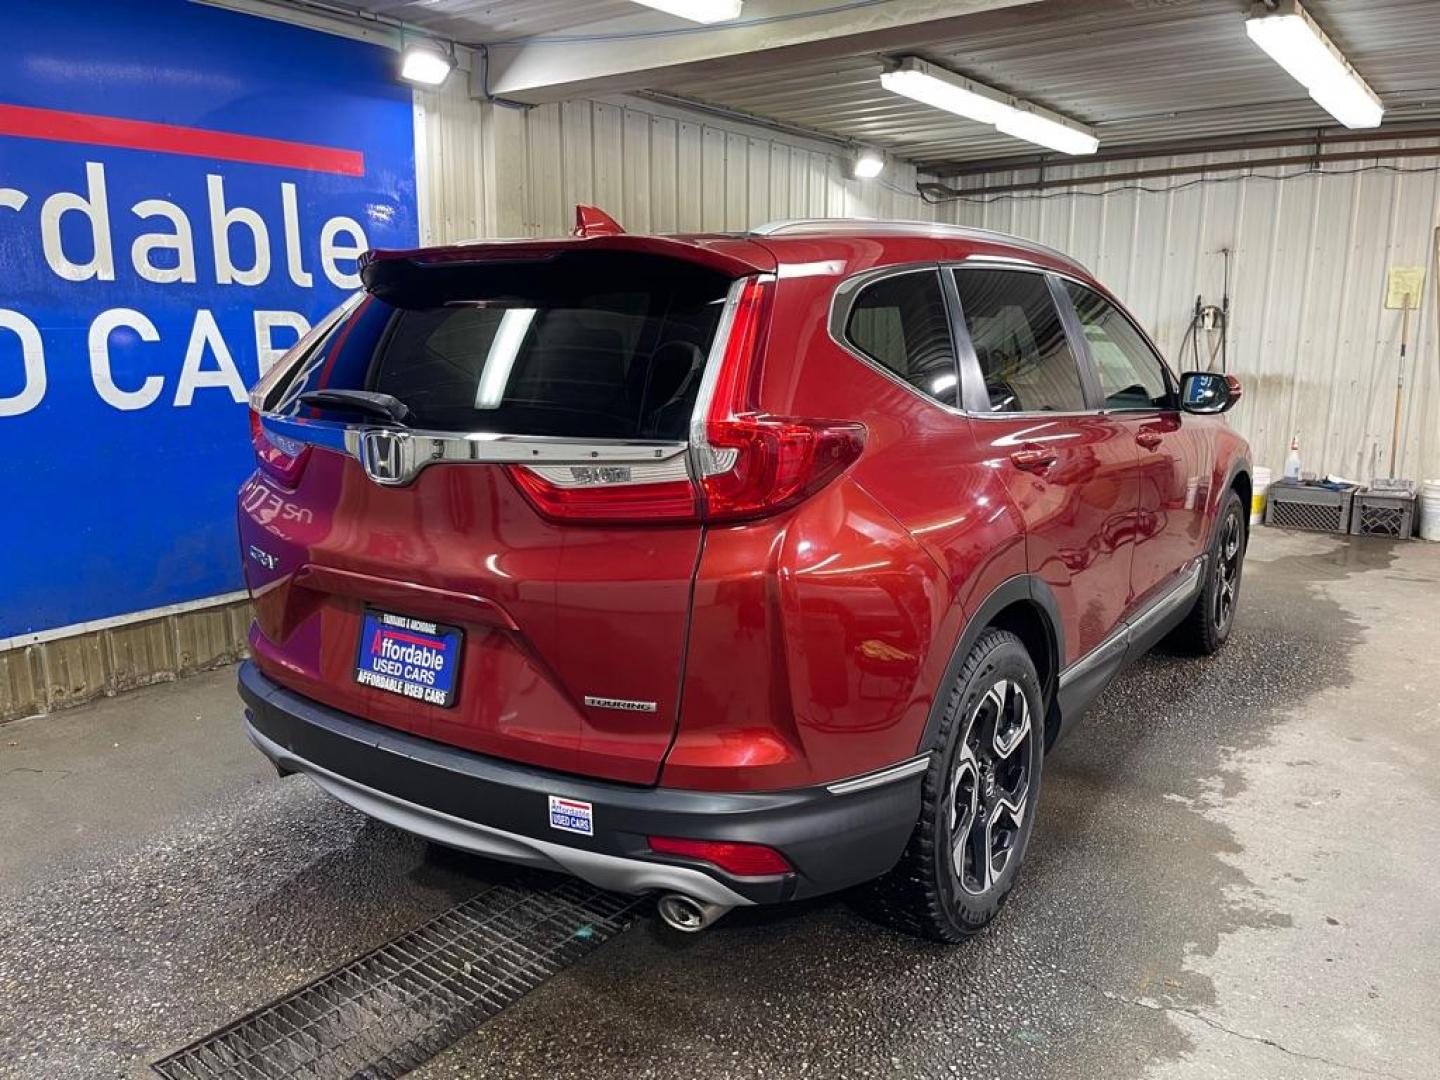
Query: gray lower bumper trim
x=601 y=870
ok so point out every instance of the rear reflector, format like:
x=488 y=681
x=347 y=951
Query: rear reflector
x=742 y=860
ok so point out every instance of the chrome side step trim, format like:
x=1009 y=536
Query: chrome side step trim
x=1162 y=606
x=601 y=870
x=887 y=775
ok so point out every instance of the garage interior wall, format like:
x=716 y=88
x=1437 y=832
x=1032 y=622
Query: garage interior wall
x=1310 y=337
x=491 y=170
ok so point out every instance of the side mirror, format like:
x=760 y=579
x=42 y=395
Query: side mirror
x=1206 y=392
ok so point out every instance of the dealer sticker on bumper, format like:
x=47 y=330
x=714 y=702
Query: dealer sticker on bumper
x=572 y=815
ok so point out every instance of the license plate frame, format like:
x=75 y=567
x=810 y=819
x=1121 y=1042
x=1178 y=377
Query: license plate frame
x=403 y=666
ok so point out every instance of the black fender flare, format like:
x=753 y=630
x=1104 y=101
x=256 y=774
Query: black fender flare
x=1022 y=587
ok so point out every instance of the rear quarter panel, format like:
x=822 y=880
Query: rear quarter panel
x=820 y=638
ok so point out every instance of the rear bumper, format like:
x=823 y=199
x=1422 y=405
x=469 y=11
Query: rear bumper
x=835 y=836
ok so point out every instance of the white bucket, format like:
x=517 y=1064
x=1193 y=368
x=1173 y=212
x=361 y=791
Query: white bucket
x=1430 y=510
x=1261 y=481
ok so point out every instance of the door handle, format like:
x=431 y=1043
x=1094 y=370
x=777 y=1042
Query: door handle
x=1034 y=458
x=1150 y=440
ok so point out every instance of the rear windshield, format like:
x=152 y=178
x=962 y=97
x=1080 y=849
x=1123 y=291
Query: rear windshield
x=598 y=347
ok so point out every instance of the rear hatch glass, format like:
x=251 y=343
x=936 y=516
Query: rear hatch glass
x=587 y=345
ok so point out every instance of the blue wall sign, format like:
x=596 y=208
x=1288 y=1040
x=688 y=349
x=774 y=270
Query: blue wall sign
x=183 y=191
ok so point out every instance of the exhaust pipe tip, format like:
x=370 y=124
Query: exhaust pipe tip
x=686 y=914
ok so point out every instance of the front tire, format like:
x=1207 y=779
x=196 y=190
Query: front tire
x=1207 y=627
x=979 y=797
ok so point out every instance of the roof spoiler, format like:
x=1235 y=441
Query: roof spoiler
x=383 y=271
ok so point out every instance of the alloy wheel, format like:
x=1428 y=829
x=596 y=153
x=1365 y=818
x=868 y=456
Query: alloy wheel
x=990 y=787
x=1228 y=572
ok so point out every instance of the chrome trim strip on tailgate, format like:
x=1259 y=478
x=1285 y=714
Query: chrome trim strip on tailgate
x=395 y=455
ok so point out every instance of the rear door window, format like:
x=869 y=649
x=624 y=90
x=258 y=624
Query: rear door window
x=604 y=348
x=1020 y=343
x=901 y=323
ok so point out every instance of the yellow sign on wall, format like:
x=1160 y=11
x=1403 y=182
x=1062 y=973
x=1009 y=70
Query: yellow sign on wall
x=1403 y=286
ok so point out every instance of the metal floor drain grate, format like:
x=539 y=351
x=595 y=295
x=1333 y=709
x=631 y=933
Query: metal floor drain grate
x=397 y=1006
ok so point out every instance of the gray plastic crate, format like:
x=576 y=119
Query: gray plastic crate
x=1384 y=513
x=1291 y=505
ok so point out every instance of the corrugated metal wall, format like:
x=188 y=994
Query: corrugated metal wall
x=494 y=171
x=1309 y=334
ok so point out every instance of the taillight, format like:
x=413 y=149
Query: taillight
x=748 y=464
x=742 y=860
x=279 y=458
x=743 y=464
x=778 y=461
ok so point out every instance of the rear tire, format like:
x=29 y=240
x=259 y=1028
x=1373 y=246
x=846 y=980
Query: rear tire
x=1207 y=626
x=979 y=798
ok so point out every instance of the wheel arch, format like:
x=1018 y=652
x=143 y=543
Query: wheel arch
x=1024 y=605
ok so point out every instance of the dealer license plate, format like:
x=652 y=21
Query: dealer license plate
x=411 y=657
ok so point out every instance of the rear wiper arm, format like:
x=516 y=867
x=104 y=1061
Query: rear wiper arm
x=384 y=406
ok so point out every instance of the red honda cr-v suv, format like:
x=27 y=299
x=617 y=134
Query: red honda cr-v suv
x=736 y=567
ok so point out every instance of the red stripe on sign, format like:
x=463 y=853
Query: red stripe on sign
x=72 y=127
x=401 y=635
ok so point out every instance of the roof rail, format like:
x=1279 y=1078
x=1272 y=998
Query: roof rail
x=936 y=229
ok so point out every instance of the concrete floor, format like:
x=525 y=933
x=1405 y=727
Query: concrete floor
x=1236 y=873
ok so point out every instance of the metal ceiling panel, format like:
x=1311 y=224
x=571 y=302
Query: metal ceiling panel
x=1138 y=72
x=475 y=21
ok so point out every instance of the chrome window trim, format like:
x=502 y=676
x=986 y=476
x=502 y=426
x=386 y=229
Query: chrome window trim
x=844 y=297
x=887 y=775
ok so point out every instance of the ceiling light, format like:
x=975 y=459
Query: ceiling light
x=1031 y=126
x=1294 y=41
x=941 y=89
x=425 y=64
x=867 y=165
x=700 y=11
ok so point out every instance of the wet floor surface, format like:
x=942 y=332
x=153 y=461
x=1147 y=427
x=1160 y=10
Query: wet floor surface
x=1235 y=872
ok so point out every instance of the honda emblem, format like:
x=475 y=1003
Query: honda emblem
x=388 y=456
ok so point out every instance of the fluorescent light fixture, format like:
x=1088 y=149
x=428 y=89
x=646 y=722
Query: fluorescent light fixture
x=700 y=11
x=500 y=359
x=1033 y=127
x=1294 y=41
x=425 y=64
x=941 y=89
x=867 y=165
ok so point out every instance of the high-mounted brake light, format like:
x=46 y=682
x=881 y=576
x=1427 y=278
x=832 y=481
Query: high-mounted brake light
x=740 y=859
x=742 y=463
